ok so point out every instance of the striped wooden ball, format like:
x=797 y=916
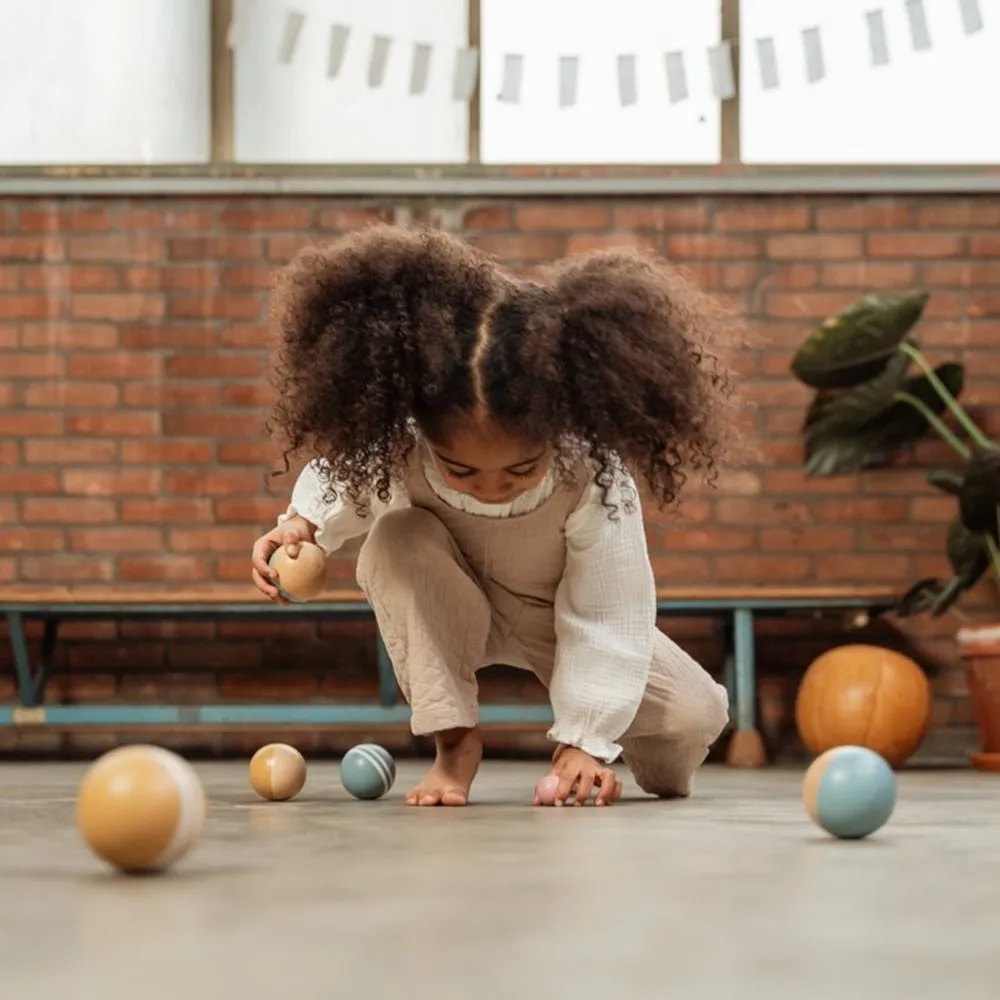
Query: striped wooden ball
x=140 y=808
x=367 y=771
x=849 y=791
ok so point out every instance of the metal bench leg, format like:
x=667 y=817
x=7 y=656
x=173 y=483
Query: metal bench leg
x=387 y=689
x=31 y=683
x=746 y=747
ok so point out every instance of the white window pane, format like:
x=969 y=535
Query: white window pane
x=104 y=81
x=295 y=113
x=932 y=106
x=598 y=128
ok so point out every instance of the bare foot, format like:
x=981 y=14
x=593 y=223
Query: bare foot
x=447 y=783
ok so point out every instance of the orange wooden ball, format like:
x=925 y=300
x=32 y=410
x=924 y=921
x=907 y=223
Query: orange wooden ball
x=303 y=578
x=867 y=696
x=277 y=772
x=140 y=808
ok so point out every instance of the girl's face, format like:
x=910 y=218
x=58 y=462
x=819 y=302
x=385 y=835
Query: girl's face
x=478 y=459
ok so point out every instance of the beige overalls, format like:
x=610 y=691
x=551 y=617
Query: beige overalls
x=454 y=591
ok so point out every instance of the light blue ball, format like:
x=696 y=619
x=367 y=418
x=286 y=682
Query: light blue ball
x=850 y=791
x=367 y=771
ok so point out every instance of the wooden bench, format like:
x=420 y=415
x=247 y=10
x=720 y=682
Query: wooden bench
x=737 y=607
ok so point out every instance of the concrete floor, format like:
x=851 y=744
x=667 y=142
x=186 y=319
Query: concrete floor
x=731 y=893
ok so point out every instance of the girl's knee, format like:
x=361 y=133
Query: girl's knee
x=400 y=540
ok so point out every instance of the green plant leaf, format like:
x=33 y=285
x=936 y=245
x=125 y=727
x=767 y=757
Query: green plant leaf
x=839 y=456
x=853 y=346
x=979 y=495
x=945 y=480
x=920 y=598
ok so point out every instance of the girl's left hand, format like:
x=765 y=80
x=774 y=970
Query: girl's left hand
x=578 y=774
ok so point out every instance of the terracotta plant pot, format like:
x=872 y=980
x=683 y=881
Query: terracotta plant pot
x=979 y=647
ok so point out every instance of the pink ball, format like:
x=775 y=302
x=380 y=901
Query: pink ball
x=546 y=789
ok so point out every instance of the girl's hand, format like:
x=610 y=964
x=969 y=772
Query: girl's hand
x=578 y=774
x=290 y=534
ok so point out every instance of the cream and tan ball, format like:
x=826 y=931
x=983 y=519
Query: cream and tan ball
x=303 y=578
x=277 y=772
x=140 y=808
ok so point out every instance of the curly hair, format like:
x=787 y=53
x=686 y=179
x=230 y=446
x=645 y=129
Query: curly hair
x=612 y=358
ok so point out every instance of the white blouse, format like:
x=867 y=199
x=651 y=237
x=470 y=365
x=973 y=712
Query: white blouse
x=605 y=605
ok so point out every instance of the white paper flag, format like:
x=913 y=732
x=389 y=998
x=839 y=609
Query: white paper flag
x=569 y=73
x=920 y=34
x=812 y=43
x=720 y=65
x=378 y=60
x=290 y=35
x=239 y=26
x=339 y=34
x=677 y=86
x=878 y=41
x=513 y=72
x=463 y=83
x=628 y=89
x=972 y=16
x=420 y=68
x=767 y=60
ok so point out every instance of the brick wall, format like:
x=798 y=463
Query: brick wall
x=133 y=350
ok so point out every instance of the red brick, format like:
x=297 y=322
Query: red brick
x=760 y=510
x=8 y=574
x=813 y=246
x=805 y=305
x=116 y=539
x=708 y=539
x=581 y=243
x=184 y=219
x=247 y=277
x=958 y=213
x=29 y=481
x=914 y=245
x=902 y=537
x=33 y=365
x=10 y=453
x=161 y=510
x=34 y=424
x=810 y=539
x=55 y=218
x=880 y=510
x=215 y=365
x=8 y=335
x=7 y=394
x=170 y=394
x=764 y=215
x=210 y=424
x=247 y=335
x=780 y=481
x=266 y=216
x=984 y=245
x=165 y=568
x=346 y=219
x=71 y=394
x=27 y=249
x=111 y=482
x=75 y=336
x=250 y=394
x=10 y=280
x=45 y=510
x=282 y=249
x=864 y=215
x=213 y=539
x=558 y=217
x=247 y=452
x=78 y=278
x=177 y=337
x=115 y=365
x=30 y=307
x=76 y=452
x=211 y=482
x=17 y=538
x=124 y=248
x=216 y=248
x=133 y=423
x=184 y=689
x=936 y=509
x=660 y=215
x=221 y=656
x=959 y=273
x=66 y=569
x=251 y=510
x=870 y=568
x=521 y=246
x=83 y=688
x=127 y=307
x=681 y=569
x=864 y=275
x=763 y=568
x=214 y=307
x=710 y=246
x=268 y=687
x=776 y=392
x=485 y=218
x=160 y=452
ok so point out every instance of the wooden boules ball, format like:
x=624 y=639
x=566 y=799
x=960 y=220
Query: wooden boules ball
x=277 y=772
x=300 y=578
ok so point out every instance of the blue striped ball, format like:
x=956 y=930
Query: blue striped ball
x=849 y=791
x=367 y=771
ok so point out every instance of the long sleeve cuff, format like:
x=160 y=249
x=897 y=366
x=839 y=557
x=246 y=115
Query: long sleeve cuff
x=598 y=747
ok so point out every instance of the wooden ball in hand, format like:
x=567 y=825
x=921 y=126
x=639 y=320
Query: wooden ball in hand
x=300 y=578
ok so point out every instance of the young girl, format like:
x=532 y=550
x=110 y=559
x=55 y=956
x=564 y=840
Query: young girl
x=489 y=435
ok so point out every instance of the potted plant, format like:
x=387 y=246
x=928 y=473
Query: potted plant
x=868 y=407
